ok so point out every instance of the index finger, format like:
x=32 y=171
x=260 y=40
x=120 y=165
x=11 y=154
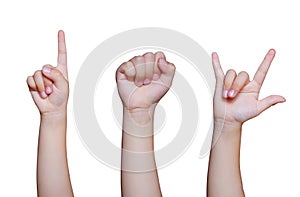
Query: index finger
x=262 y=71
x=62 y=54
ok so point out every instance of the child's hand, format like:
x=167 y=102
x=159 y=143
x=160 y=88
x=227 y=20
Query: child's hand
x=236 y=97
x=49 y=87
x=144 y=80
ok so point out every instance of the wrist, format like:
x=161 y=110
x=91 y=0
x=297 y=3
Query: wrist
x=58 y=115
x=138 y=122
x=54 y=124
x=224 y=125
x=140 y=109
x=227 y=133
x=141 y=116
x=226 y=128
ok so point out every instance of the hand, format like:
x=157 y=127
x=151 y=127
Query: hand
x=144 y=80
x=49 y=87
x=236 y=97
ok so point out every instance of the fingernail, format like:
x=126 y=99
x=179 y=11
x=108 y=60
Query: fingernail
x=147 y=81
x=162 y=61
x=46 y=70
x=231 y=93
x=225 y=93
x=43 y=94
x=155 y=77
x=48 y=90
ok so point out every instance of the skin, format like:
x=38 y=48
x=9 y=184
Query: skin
x=235 y=102
x=49 y=89
x=141 y=82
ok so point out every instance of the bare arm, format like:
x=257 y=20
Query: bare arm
x=53 y=177
x=139 y=175
x=142 y=82
x=224 y=176
x=50 y=90
x=235 y=102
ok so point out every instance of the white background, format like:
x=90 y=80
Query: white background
x=240 y=31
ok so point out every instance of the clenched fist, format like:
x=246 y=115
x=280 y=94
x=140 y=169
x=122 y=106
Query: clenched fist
x=144 y=80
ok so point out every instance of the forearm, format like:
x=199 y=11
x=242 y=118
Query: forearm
x=139 y=175
x=53 y=177
x=224 y=177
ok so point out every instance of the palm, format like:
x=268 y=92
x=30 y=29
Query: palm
x=241 y=108
x=54 y=102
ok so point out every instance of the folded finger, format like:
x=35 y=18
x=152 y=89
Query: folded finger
x=240 y=81
x=39 y=81
x=140 y=69
x=228 y=81
x=31 y=84
x=56 y=76
x=126 y=71
x=48 y=85
x=149 y=67
x=156 y=70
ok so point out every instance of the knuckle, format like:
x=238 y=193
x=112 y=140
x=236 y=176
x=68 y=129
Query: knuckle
x=134 y=59
x=62 y=51
x=244 y=73
x=48 y=65
x=160 y=54
x=231 y=72
x=128 y=65
x=148 y=55
x=172 y=66
x=28 y=79
x=129 y=69
x=37 y=73
x=149 y=58
x=139 y=59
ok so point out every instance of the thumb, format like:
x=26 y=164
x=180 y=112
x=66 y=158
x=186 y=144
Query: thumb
x=167 y=71
x=56 y=76
x=268 y=102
